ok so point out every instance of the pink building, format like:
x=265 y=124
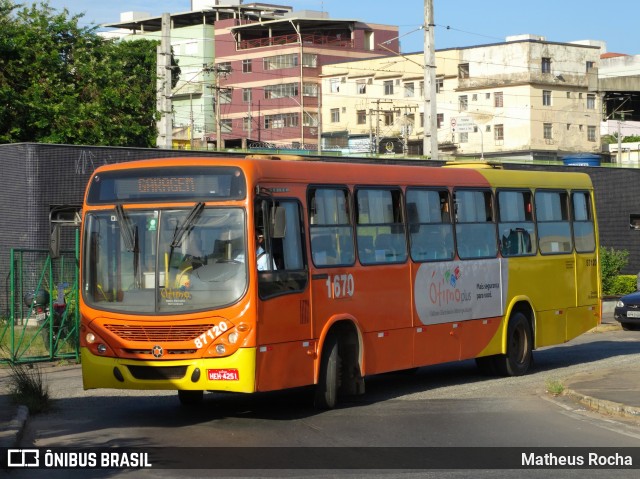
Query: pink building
x=269 y=88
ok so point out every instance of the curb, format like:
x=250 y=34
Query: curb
x=10 y=438
x=604 y=406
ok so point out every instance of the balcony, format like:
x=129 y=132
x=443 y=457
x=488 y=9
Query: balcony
x=307 y=39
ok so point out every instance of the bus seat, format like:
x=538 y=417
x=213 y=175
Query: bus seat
x=323 y=250
x=365 y=249
x=385 y=250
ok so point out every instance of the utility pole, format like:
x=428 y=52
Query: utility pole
x=217 y=72
x=163 y=85
x=430 y=141
x=377 y=111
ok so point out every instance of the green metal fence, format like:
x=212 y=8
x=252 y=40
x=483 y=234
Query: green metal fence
x=42 y=321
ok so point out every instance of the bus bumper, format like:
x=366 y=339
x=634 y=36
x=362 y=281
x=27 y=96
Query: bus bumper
x=235 y=373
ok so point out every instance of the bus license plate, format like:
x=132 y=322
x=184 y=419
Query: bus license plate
x=223 y=375
x=633 y=314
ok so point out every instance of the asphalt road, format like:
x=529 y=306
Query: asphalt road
x=442 y=406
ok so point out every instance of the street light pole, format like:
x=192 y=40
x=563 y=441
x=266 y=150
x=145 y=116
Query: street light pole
x=430 y=141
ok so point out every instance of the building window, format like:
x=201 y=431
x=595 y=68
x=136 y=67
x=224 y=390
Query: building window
x=409 y=90
x=362 y=117
x=590 y=66
x=568 y=94
x=421 y=120
x=463 y=103
x=310 y=118
x=546 y=65
x=388 y=87
x=226 y=125
x=548 y=131
x=310 y=89
x=439 y=120
x=591 y=133
x=285 y=90
x=463 y=70
x=546 y=97
x=334 y=85
x=225 y=96
x=278 y=62
x=498 y=132
x=439 y=85
x=474 y=97
x=498 y=99
x=246 y=95
x=591 y=101
x=282 y=120
x=224 y=67
x=388 y=118
x=335 y=115
x=246 y=123
x=246 y=66
x=568 y=126
x=309 y=60
x=361 y=86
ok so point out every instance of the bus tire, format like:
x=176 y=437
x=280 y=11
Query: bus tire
x=519 y=355
x=326 y=394
x=190 y=398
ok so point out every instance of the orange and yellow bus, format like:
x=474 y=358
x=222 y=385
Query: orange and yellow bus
x=261 y=274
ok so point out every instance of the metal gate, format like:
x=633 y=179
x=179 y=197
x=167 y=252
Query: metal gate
x=42 y=294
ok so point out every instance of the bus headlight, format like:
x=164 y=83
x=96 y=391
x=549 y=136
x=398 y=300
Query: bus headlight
x=90 y=337
x=220 y=349
x=233 y=337
x=101 y=348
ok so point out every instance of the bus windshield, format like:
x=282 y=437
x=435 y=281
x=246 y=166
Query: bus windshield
x=164 y=261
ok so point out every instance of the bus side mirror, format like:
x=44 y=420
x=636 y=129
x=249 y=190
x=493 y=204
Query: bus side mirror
x=54 y=242
x=278 y=222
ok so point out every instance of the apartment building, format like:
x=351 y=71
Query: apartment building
x=250 y=71
x=525 y=98
x=271 y=89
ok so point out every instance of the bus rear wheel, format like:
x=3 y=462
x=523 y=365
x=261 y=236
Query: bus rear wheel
x=326 y=395
x=519 y=355
x=190 y=398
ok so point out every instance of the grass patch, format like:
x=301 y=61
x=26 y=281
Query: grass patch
x=28 y=387
x=554 y=387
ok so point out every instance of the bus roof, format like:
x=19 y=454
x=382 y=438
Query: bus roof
x=276 y=168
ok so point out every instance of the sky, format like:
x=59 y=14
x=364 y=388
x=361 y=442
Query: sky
x=459 y=23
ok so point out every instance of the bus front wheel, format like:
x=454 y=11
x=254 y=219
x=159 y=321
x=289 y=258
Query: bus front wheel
x=519 y=355
x=326 y=395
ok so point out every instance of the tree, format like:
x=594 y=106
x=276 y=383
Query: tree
x=62 y=83
x=611 y=263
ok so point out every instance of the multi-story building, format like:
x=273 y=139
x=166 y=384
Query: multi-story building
x=271 y=93
x=252 y=69
x=526 y=98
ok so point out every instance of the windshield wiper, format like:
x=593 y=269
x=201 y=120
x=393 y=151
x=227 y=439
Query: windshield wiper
x=126 y=230
x=191 y=218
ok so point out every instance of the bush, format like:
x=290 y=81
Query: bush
x=611 y=263
x=623 y=284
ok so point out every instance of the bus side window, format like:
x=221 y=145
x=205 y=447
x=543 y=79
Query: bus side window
x=476 y=235
x=430 y=228
x=330 y=226
x=380 y=217
x=515 y=223
x=583 y=226
x=554 y=228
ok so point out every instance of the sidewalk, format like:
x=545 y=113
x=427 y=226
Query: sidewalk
x=612 y=391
